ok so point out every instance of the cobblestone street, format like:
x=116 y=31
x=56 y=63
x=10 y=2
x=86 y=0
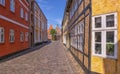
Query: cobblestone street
x=49 y=59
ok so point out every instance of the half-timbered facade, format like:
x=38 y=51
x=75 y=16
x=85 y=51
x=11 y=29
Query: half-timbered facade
x=76 y=28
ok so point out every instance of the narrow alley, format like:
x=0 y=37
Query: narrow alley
x=49 y=59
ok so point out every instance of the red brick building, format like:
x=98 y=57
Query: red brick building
x=14 y=26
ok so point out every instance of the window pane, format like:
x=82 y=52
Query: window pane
x=2 y=37
x=110 y=37
x=97 y=36
x=98 y=48
x=110 y=49
x=110 y=21
x=98 y=22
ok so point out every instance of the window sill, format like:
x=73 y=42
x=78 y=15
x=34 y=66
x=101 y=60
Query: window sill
x=22 y=41
x=2 y=5
x=12 y=42
x=2 y=42
x=104 y=57
x=13 y=12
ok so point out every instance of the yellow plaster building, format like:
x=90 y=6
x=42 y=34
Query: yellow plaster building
x=105 y=58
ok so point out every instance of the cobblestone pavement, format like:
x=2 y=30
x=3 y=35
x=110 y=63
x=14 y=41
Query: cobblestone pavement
x=50 y=59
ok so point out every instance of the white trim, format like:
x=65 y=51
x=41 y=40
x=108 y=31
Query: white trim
x=12 y=21
x=26 y=2
x=24 y=5
x=1 y=3
x=103 y=31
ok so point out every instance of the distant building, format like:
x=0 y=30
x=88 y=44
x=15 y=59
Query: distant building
x=49 y=29
x=14 y=26
x=58 y=35
x=38 y=21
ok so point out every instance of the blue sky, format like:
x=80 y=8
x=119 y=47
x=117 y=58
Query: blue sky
x=53 y=10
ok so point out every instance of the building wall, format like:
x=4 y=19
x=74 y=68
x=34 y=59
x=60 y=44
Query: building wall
x=40 y=25
x=48 y=32
x=12 y=20
x=78 y=12
x=106 y=65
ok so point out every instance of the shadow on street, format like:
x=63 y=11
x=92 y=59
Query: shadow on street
x=23 y=52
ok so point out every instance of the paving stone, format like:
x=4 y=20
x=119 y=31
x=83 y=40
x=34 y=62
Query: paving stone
x=50 y=59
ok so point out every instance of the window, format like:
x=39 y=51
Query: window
x=12 y=5
x=104 y=39
x=1 y=35
x=21 y=36
x=26 y=16
x=110 y=43
x=110 y=20
x=81 y=36
x=77 y=36
x=97 y=22
x=26 y=36
x=21 y=13
x=2 y=2
x=98 y=43
x=80 y=1
x=11 y=36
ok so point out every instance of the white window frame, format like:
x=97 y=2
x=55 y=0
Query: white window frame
x=21 y=13
x=2 y=2
x=2 y=33
x=26 y=36
x=12 y=5
x=103 y=31
x=81 y=33
x=12 y=36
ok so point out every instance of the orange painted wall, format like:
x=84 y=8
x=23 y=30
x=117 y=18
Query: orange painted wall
x=106 y=65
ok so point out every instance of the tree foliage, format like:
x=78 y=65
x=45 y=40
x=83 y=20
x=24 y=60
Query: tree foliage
x=53 y=33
